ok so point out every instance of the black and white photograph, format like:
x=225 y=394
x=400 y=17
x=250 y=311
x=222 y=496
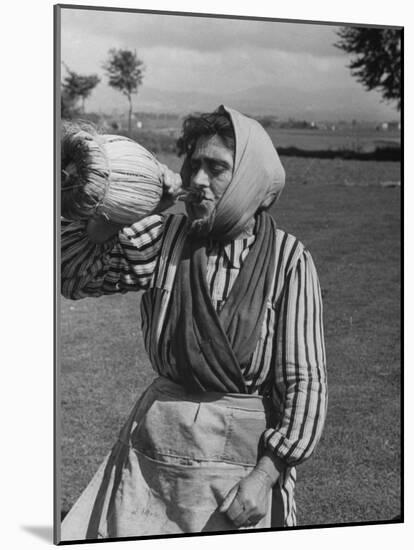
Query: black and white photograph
x=229 y=272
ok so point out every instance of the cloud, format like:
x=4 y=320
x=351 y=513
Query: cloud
x=210 y=55
x=202 y=34
x=201 y=54
x=234 y=70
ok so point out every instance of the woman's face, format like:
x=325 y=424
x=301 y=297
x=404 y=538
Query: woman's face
x=212 y=166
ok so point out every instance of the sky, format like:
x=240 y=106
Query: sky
x=212 y=55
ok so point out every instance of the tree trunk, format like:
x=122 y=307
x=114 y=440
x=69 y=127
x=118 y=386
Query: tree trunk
x=83 y=105
x=129 y=115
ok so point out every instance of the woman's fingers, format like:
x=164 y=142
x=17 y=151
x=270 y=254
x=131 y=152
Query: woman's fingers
x=171 y=180
x=242 y=514
x=225 y=505
x=246 y=518
x=242 y=520
x=245 y=504
x=237 y=512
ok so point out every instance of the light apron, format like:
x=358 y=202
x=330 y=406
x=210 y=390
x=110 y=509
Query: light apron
x=176 y=458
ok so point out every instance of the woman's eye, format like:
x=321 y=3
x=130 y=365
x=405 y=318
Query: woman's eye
x=216 y=170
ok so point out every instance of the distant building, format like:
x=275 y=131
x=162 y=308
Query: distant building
x=389 y=126
x=298 y=124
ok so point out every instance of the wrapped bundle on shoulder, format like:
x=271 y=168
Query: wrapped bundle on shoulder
x=107 y=175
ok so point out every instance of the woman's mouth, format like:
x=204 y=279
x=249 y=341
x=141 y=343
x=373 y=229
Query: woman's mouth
x=193 y=196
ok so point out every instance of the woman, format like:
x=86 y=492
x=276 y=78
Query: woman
x=232 y=323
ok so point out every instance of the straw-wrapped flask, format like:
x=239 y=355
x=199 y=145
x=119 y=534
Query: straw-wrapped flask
x=107 y=175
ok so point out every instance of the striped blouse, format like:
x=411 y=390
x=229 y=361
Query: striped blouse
x=288 y=364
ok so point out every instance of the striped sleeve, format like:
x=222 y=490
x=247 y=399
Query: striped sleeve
x=300 y=383
x=124 y=263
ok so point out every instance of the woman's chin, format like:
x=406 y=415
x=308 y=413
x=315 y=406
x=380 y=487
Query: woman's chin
x=197 y=212
x=201 y=219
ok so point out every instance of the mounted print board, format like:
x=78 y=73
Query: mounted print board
x=229 y=196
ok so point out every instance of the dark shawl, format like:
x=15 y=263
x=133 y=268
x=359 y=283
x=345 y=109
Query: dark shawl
x=211 y=349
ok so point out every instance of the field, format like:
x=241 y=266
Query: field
x=351 y=225
x=160 y=134
x=342 y=138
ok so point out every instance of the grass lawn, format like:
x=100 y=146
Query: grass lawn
x=352 y=228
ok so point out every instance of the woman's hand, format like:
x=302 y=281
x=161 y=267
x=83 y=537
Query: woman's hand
x=246 y=503
x=172 y=187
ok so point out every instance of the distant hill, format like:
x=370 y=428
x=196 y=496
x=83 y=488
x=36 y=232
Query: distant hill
x=284 y=102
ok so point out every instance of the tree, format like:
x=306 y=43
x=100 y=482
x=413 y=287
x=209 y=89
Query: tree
x=377 y=61
x=68 y=107
x=125 y=73
x=76 y=86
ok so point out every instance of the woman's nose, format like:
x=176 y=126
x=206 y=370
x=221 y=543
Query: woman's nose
x=200 y=178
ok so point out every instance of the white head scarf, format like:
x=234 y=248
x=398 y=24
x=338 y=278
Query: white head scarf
x=258 y=177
